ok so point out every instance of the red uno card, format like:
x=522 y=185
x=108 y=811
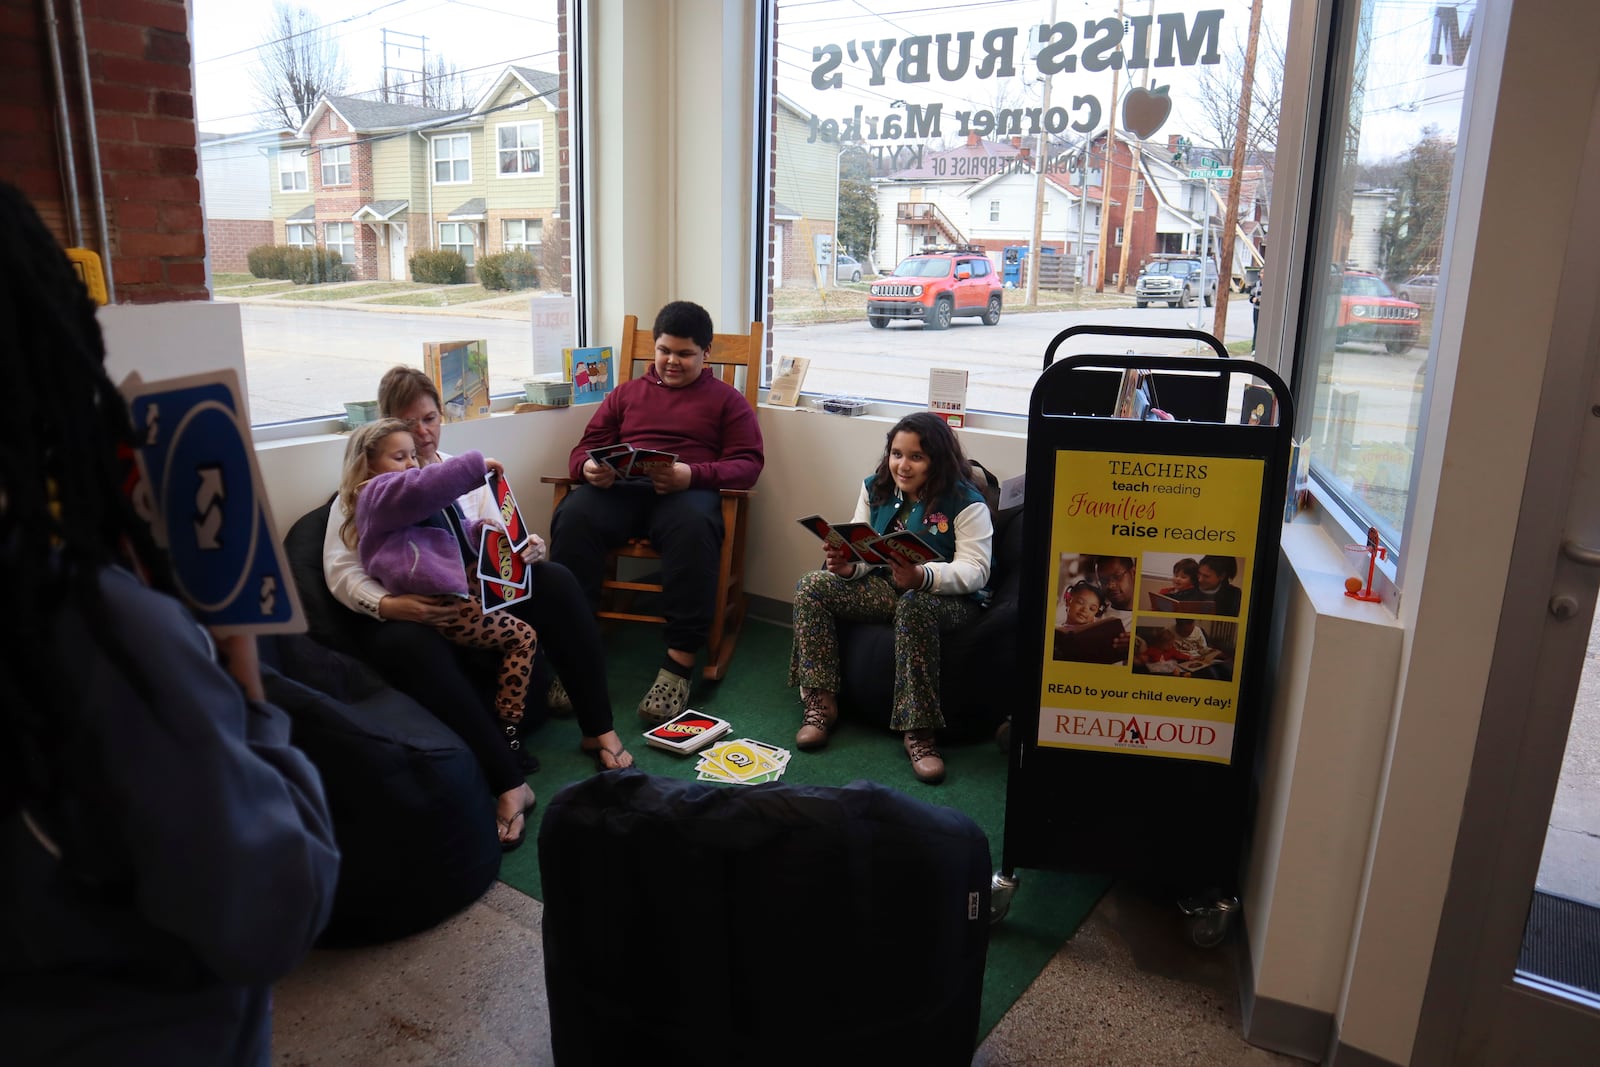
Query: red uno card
x=506 y=503
x=502 y=572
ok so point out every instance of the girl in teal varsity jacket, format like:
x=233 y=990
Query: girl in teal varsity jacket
x=922 y=484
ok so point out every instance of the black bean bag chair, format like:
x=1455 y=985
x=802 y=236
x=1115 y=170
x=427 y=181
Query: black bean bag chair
x=412 y=813
x=777 y=924
x=978 y=677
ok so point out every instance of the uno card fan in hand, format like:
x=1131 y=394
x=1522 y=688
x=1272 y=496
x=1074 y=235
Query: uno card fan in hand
x=510 y=514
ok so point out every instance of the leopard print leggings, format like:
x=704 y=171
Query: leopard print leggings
x=513 y=637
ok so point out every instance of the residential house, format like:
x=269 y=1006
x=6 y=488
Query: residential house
x=379 y=182
x=927 y=205
x=1000 y=211
x=236 y=186
x=805 y=197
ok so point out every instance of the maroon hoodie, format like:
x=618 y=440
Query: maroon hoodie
x=708 y=423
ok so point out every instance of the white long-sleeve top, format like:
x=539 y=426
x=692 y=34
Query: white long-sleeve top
x=349 y=583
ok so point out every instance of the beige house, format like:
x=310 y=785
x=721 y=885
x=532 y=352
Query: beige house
x=805 y=197
x=379 y=182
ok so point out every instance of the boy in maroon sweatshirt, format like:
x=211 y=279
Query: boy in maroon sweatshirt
x=711 y=428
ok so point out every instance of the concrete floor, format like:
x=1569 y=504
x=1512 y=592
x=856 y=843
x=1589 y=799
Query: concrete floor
x=1571 y=863
x=1128 y=989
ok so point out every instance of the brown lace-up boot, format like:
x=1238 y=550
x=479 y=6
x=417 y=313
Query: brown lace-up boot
x=820 y=711
x=926 y=763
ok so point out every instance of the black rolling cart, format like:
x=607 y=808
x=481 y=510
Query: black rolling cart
x=1150 y=550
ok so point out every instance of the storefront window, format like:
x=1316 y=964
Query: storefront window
x=384 y=134
x=1385 y=175
x=901 y=131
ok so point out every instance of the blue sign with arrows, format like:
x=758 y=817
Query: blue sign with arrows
x=208 y=507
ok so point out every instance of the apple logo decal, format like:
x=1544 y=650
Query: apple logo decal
x=1144 y=111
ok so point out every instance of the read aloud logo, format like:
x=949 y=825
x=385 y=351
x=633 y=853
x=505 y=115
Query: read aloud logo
x=1139 y=733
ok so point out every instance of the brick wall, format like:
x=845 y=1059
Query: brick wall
x=144 y=109
x=231 y=239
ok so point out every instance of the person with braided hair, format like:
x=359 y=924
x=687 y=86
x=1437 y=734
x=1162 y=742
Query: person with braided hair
x=165 y=853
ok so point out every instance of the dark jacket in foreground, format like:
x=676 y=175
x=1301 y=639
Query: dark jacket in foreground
x=206 y=871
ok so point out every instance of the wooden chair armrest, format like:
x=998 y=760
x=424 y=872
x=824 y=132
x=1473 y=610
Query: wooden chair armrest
x=550 y=479
x=737 y=494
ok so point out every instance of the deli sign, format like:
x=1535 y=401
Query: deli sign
x=1139 y=42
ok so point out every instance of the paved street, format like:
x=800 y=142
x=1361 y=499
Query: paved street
x=307 y=361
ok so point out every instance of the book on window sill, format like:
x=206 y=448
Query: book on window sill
x=787 y=380
x=590 y=370
x=869 y=546
x=460 y=371
x=689 y=731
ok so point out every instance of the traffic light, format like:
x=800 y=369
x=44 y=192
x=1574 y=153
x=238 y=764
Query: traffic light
x=1180 y=150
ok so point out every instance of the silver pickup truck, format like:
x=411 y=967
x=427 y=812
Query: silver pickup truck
x=1175 y=280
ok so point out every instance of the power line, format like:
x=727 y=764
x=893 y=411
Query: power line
x=313 y=29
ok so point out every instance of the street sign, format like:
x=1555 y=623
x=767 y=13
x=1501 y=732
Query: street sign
x=1211 y=172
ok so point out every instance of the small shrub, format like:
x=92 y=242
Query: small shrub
x=312 y=266
x=508 y=270
x=268 y=261
x=438 y=268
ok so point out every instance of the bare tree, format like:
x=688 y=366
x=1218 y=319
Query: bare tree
x=445 y=86
x=299 y=64
x=1217 y=98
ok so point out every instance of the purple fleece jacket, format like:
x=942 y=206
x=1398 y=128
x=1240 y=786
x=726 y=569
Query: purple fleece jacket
x=708 y=423
x=406 y=557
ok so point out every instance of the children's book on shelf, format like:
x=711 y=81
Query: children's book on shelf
x=687 y=732
x=590 y=370
x=869 y=546
x=787 y=379
x=460 y=371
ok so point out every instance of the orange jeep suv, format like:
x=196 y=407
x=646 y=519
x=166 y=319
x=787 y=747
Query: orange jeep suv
x=1369 y=311
x=935 y=287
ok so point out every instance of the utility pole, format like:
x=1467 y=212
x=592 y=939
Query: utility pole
x=1105 y=179
x=1034 y=253
x=1205 y=257
x=1083 y=212
x=1133 y=176
x=1230 y=223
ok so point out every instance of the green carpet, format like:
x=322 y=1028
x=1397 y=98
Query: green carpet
x=1047 y=908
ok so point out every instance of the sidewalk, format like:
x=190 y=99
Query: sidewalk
x=509 y=306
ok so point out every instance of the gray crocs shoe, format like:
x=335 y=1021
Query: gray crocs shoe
x=667 y=696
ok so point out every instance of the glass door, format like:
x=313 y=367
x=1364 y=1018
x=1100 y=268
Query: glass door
x=1515 y=977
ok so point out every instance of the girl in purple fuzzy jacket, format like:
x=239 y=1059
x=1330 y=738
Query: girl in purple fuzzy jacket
x=404 y=524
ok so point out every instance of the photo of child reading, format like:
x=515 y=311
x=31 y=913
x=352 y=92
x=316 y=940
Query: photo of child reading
x=1186 y=648
x=1088 y=626
x=1169 y=581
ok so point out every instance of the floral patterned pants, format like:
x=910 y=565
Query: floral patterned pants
x=822 y=598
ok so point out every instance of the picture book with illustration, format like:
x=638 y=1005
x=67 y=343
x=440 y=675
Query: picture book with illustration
x=1095 y=643
x=869 y=546
x=591 y=372
x=460 y=371
x=787 y=379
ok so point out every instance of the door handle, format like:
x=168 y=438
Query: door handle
x=1588 y=557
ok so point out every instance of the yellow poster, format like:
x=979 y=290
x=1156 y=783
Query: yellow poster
x=1150 y=588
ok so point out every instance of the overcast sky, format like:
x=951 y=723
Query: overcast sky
x=484 y=36
x=1404 y=93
